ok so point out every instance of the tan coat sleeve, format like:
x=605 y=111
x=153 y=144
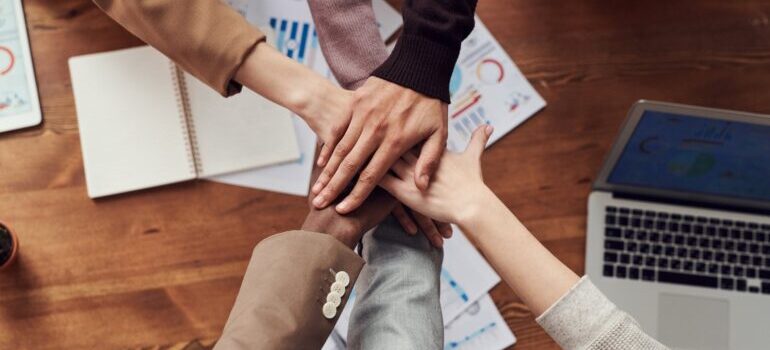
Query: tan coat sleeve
x=206 y=38
x=285 y=286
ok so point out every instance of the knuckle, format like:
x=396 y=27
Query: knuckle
x=331 y=190
x=348 y=166
x=359 y=96
x=397 y=142
x=342 y=149
x=337 y=130
x=367 y=177
x=381 y=126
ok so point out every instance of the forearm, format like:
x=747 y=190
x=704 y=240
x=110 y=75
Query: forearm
x=350 y=40
x=191 y=34
x=286 y=82
x=536 y=276
x=427 y=50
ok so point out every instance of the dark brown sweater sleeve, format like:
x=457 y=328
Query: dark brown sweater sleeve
x=427 y=50
x=206 y=38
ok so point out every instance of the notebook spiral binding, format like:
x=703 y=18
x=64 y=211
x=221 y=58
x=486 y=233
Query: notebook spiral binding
x=185 y=117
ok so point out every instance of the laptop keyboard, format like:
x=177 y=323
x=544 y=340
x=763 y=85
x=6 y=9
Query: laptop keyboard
x=687 y=250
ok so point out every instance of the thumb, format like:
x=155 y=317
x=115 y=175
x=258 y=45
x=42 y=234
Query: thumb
x=479 y=140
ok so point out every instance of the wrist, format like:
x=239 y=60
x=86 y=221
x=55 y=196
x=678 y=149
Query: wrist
x=477 y=207
x=307 y=98
x=280 y=79
x=343 y=233
x=320 y=99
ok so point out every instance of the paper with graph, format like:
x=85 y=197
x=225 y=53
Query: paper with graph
x=480 y=326
x=487 y=88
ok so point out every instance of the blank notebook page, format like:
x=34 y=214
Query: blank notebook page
x=239 y=132
x=131 y=125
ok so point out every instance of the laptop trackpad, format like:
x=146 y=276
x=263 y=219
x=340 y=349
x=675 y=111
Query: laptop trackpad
x=689 y=322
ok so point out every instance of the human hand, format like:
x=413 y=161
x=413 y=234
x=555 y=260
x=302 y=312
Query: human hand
x=387 y=121
x=457 y=191
x=349 y=228
x=434 y=231
x=327 y=112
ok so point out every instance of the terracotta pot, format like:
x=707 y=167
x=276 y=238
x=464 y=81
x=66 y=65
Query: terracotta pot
x=6 y=259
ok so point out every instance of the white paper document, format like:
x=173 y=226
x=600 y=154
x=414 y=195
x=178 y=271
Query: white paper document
x=388 y=19
x=487 y=88
x=465 y=276
x=480 y=327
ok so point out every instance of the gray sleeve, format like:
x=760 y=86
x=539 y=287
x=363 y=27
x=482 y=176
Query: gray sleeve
x=585 y=319
x=397 y=294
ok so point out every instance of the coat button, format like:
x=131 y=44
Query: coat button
x=334 y=298
x=329 y=310
x=343 y=278
x=338 y=288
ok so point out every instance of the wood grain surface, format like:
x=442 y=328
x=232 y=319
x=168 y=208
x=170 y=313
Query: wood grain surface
x=159 y=269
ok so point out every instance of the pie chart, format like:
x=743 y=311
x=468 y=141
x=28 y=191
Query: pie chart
x=6 y=60
x=490 y=71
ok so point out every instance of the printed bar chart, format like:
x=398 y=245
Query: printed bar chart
x=296 y=39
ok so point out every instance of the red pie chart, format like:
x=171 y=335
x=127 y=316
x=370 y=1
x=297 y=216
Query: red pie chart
x=6 y=60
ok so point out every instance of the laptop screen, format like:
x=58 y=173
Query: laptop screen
x=696 y=155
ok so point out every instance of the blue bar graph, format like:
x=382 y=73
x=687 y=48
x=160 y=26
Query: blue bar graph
x=295 y=39
x=470 y=337
x=454 y=285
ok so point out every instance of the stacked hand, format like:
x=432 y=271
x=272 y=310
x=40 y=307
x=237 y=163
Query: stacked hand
x=388 y=120
x=350 y=227
x=444 y=200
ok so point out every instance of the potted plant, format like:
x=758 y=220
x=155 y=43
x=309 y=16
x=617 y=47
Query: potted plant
x=9 y=246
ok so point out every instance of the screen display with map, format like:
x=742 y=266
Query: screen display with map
x=14 y=84
x=698 y=155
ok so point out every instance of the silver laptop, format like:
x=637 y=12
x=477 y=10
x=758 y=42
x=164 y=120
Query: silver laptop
x=679 y=225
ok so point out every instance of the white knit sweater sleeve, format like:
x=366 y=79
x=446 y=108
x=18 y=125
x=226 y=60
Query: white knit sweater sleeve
x=584 y=318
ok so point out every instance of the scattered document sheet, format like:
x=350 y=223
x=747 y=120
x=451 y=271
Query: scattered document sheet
x=480 y=327
x=388 y=19
x=487 y=88
x=295 y=37
x=465 y=276
x=465 y=279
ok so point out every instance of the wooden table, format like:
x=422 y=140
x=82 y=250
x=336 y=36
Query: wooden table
x=159 y=269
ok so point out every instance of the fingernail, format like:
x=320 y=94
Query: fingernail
x=317 y=188
x=489 y=129
x=319 y=201
x=439 y=242
x=412 y=230
x=319 y=162
x=448 y=233
x=343 y=207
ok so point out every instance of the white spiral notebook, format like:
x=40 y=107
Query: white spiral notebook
x=145 y=123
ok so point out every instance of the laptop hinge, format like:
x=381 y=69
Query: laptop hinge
x=683 y=202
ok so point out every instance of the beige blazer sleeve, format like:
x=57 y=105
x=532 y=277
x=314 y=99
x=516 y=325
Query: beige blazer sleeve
x=206 y=38
x=279 y=305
